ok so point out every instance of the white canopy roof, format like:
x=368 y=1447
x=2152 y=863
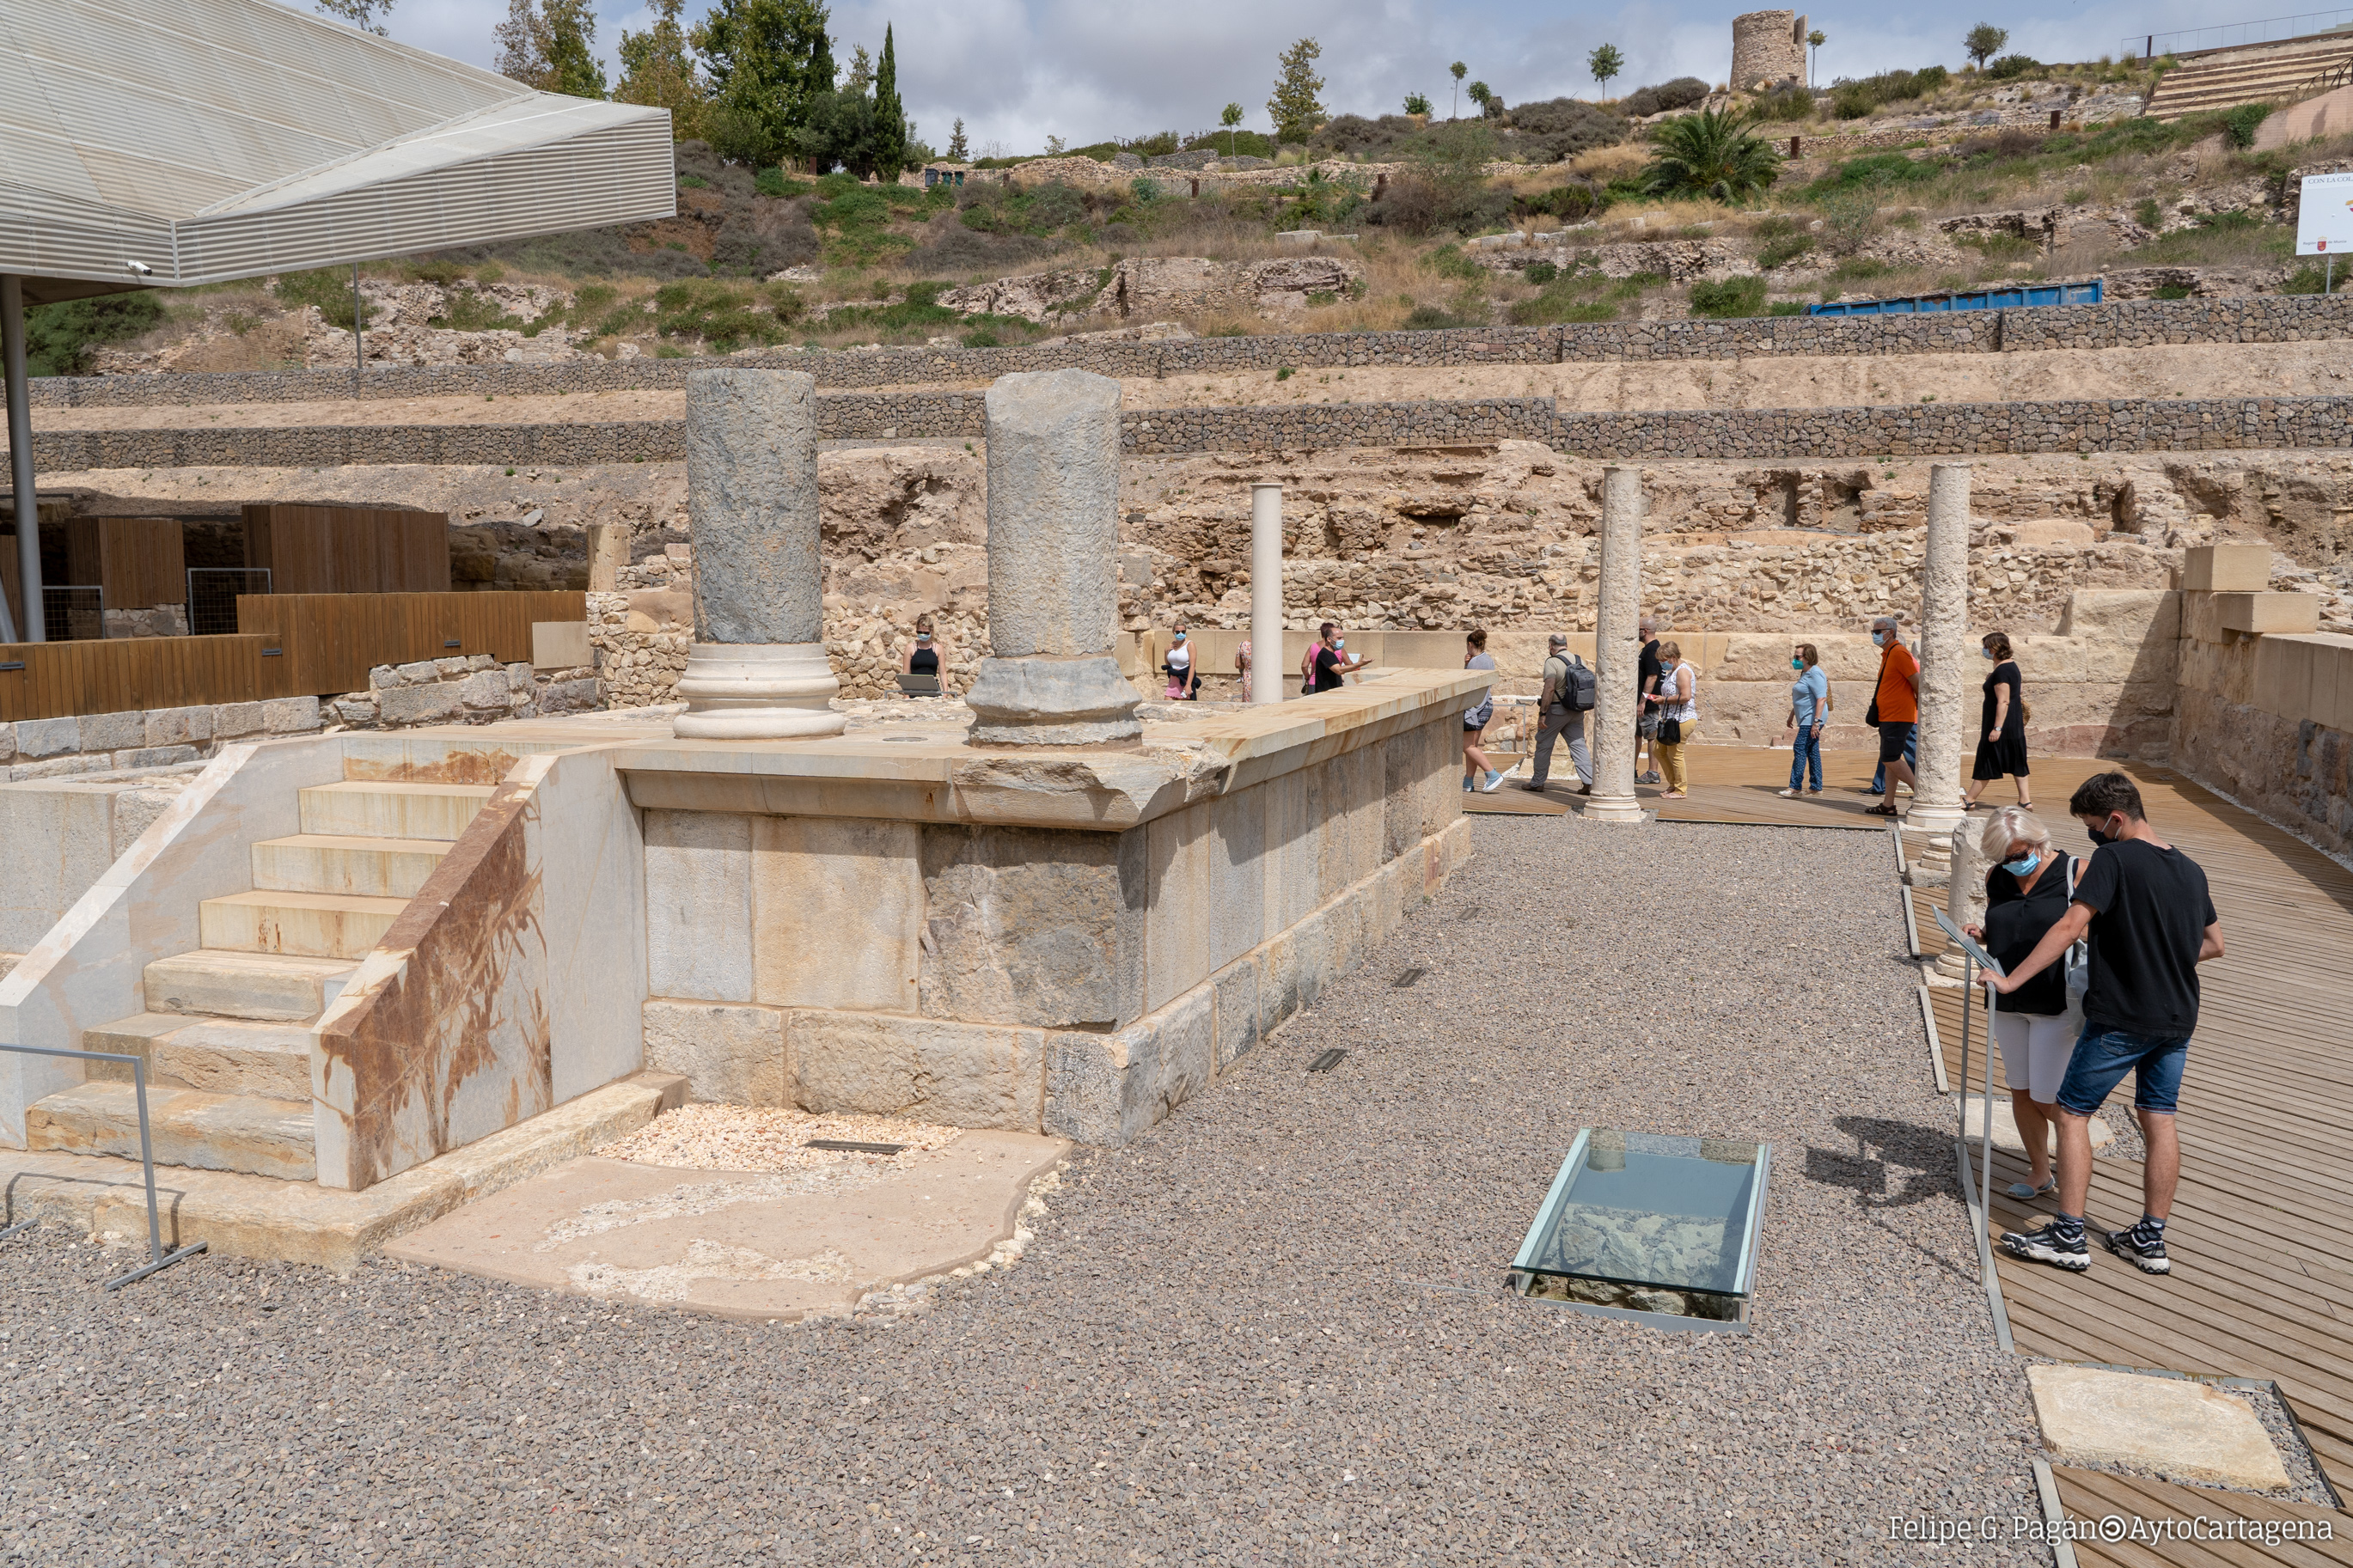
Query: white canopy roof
x=204 y=140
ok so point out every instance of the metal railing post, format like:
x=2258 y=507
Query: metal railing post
x=157 y=1258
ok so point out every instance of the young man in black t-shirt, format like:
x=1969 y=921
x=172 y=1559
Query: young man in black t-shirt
x=2151 y=922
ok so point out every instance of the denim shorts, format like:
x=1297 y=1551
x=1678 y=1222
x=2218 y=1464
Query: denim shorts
x=2103 y=1057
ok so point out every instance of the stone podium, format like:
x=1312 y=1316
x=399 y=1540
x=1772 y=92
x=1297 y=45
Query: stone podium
x=757 y=669
x=1052 y=678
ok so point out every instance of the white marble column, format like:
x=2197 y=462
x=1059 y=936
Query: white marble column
x=757 y=669
x=1946 y=666
x=1052 y=678
x=1618 y=649
x=1965 y=896
x=1267 y=667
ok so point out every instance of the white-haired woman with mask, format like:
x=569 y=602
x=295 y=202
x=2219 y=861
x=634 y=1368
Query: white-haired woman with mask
x=2027 y=891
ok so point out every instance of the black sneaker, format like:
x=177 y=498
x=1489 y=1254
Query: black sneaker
x=2144 y=1252
x=2048 y=1244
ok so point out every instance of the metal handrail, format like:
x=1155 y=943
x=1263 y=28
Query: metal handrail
x=158 y=1257
x=2156 y=44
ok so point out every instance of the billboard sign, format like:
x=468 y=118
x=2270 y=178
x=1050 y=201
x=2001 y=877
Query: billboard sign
x=2324 y=215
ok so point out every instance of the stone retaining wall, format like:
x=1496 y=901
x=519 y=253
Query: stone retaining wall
x=155 y=738
x=2121 y=425
x=2122 y=324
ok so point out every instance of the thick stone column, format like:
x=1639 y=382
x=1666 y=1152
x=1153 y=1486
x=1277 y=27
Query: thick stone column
x=1267 y=666
x=1946 y=666
x=1051 y=679
x=608 y=552
x=757 y=669
x=1618 y=650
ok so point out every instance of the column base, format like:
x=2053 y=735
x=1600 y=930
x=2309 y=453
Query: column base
x=1615 y=808
x=1047 y=700
x=1937 y=819
x=757 y=691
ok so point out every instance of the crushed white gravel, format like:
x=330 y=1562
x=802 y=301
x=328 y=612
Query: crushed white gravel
x=706 y=1137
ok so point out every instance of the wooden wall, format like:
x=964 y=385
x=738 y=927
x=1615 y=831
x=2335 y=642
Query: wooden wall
x=334 y=640
x=137 y=561
x=56 y=679
x=349 y=549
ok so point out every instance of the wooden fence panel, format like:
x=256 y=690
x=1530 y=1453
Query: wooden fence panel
x=138 y=562
x=53 y=680
x=333 y=640
x=349 y=549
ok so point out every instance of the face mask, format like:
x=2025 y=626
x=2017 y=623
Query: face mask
x=1180 y=637
x=2100 y=838
x=1797 y=664
x=922 y=636
x=2022 y=868
x=1339 y=642
x=1987 y=651
x=1879 y=639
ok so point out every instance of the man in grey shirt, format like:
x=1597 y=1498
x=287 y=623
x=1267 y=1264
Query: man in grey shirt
x=1557 y=716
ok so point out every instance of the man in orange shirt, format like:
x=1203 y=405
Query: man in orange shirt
x=1898 y=704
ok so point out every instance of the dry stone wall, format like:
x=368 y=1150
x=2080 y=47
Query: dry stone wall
x=2123 y=425
x=2121 y=324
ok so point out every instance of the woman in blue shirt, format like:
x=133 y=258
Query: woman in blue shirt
x=1810 y=707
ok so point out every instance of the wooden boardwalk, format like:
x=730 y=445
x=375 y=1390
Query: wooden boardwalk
x=2261 y=1231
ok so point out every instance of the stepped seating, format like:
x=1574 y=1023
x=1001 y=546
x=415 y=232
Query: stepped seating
x=226 y=1036
x=2257 y=73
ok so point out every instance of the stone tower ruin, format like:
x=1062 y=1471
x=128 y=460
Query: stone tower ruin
x=1768 y=47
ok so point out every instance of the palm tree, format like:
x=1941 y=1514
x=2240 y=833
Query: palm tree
x=1817 y=38
x=1711 y=156
x=1459 y=71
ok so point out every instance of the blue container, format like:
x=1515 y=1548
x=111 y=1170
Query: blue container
x=2009 y=297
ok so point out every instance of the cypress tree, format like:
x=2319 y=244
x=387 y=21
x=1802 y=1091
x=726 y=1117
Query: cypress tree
x=890 y=114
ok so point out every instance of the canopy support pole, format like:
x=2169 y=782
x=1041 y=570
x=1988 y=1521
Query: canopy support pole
x=20 y=463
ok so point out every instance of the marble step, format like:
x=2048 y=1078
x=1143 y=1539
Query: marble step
x=346 y=863
x=372 y=810
x=219 y=1056
x=274 y=987
x=187 y=1126
x=320 y=925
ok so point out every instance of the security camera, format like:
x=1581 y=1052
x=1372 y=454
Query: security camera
x=139 y=269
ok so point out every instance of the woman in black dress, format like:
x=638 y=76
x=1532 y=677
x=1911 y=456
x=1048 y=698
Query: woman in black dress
x=2001 y=727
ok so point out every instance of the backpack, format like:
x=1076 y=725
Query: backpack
x=1576 y=688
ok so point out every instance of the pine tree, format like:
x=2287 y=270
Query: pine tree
x=959 y=150
x=890 y=114
x=767 y=61
x=552 y=48
x=1296 y=108
x=519 y=56
x=658 y=71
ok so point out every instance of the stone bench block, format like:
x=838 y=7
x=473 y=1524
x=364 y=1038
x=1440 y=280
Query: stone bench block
x=2257 y=614
x=925 y=1069
x=2226 y=568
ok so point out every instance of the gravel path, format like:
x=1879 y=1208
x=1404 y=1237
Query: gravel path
x=1269 y=1332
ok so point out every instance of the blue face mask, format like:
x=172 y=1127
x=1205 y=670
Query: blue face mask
x=1987 y=651
x=2022 y=868
x=1797 y=664
x=1880 y=639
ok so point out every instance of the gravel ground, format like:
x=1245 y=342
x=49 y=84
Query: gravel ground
x=1270 y=1332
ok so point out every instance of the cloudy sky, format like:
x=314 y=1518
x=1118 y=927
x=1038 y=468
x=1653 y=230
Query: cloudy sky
x=1019 y=71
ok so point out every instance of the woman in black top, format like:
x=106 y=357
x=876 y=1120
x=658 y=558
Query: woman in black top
x=923 y=659
x=2001 y=727
x=2027 y=891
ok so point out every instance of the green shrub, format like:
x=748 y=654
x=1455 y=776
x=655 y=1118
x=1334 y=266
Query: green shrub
x=1431 y=318
x=772 y=182
x=2239 y=125
x=2310 y=278
x=329 y=290
x=431 y=270
x=2147 y=214
x=1785 y=308
x=2170 y=291
x=1874 y=169
x=1853 y=98
x=1784 y=250
x=720 y=314
x=59 y=338
x=1449 y=261
x=1541 y=272
x=983 y=338
x=1733 y=297
x=2009 y=67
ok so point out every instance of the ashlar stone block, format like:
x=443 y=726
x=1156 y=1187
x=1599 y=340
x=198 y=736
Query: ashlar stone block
x=926 y=1069
x=2172 y=1427
x=699 y=927
x=838 y=912
x=1109 y=1089
x=730 y=1054
x=1032 y=926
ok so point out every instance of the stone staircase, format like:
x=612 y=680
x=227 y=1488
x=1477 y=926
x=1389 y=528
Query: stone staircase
x=226 y=1036
x=2254 y=73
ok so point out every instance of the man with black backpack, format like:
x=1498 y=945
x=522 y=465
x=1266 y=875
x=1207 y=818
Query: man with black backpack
x=1568 y=691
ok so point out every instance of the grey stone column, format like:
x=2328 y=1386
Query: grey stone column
x=1618 y=650
x=1945 y=662
x=757 y=669
x=608 y=552
x=1051 y=679
x=1965 y=896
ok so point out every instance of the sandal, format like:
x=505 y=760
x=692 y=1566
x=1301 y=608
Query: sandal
x=1881 y=810
x=2023 y=1193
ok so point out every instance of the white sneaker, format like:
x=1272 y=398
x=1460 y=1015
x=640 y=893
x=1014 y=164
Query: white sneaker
x=1494 y=780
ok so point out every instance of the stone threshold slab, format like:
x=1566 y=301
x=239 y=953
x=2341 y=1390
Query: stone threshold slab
x=752 y=1245
x=929 y=774
x=242 y=1215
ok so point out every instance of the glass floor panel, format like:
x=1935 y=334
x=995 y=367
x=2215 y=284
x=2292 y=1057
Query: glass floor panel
x=1658 y=1224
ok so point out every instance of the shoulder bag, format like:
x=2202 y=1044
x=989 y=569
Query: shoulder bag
x=2078 y=960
